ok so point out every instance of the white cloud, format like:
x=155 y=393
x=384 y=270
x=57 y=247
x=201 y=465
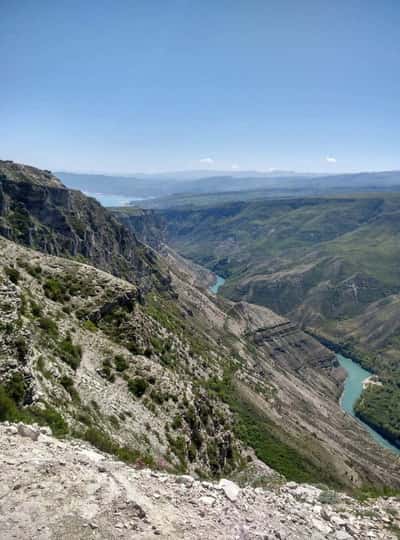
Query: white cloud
x=330 y=159
x=207 y=160
x=235 y=166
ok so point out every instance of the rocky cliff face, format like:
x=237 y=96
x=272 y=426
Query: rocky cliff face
x=80 y=350
x=147 y=225
x=38 y=211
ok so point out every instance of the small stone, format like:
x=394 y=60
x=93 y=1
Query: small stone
x=321 y=526
x=12 y=430
x=230 y=489
x=338 y=521
x=28 y=431
x=342 y=535
x=208 y=501
x=185 y=479
x=46 y=430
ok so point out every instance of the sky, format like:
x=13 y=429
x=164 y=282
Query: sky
x=125 y=86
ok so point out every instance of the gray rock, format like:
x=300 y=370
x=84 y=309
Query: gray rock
x=185 y=479
x=342 y=535
x=28 y=431
x=46 y=430
x=230 y=489
x=207 y=500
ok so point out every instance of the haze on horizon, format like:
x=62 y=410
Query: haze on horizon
x=124 y=87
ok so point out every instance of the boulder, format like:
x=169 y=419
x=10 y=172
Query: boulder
x=46 y=430
x=28 y=431
x=185 y=479
x=11 y=430
x=230 y=489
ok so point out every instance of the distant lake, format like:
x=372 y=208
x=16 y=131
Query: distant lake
x=112 y=200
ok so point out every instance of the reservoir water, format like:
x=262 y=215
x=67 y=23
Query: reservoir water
x=214 y=288
x=352 y=389
x=107 y=199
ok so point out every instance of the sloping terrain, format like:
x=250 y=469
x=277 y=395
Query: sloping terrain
x=60 y=490
x=332 y=265
x=37 y=210
x=78 y=348
x=157 y=370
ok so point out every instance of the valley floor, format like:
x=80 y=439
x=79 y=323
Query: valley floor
x=52 y=489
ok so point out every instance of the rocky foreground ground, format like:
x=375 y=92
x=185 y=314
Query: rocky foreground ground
x=53 y=489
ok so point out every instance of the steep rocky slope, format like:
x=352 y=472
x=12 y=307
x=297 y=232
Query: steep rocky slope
x=161 y=382
x=331 y=265
x=37 y=210
x=156 y=369
x=283 y=365
x=79 y=349
x=53 y=489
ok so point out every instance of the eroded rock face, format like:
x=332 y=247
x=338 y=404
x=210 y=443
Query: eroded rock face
x=66 y=489
x=147 y=225
x=37 y=210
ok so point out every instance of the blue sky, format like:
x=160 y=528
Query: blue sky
x=125 y=86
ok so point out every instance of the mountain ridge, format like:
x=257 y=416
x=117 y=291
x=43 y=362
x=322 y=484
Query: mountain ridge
x=103 y=357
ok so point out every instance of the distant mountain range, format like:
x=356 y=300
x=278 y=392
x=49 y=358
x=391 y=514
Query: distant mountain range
x=200 y=182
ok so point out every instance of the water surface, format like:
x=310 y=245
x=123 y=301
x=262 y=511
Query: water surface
x=219 y=282
x=107 y=199
x=352 y=390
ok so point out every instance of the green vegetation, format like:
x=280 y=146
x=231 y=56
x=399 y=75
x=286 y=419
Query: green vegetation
x=120 y=363
x=373 y=492
x=13 y=274
x=35 y=309
x=47 y=416
x=63 y=287
x=103 y=442
x=70 y=353
x=106 y=371
x=257 y=431
x=379 y=407
x=138 y=386
x=49 y=326
x=15 y=387
x=67 y=383
x=54 y=289
x=89 y=325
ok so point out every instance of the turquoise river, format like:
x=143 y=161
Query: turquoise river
x=353 y=385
